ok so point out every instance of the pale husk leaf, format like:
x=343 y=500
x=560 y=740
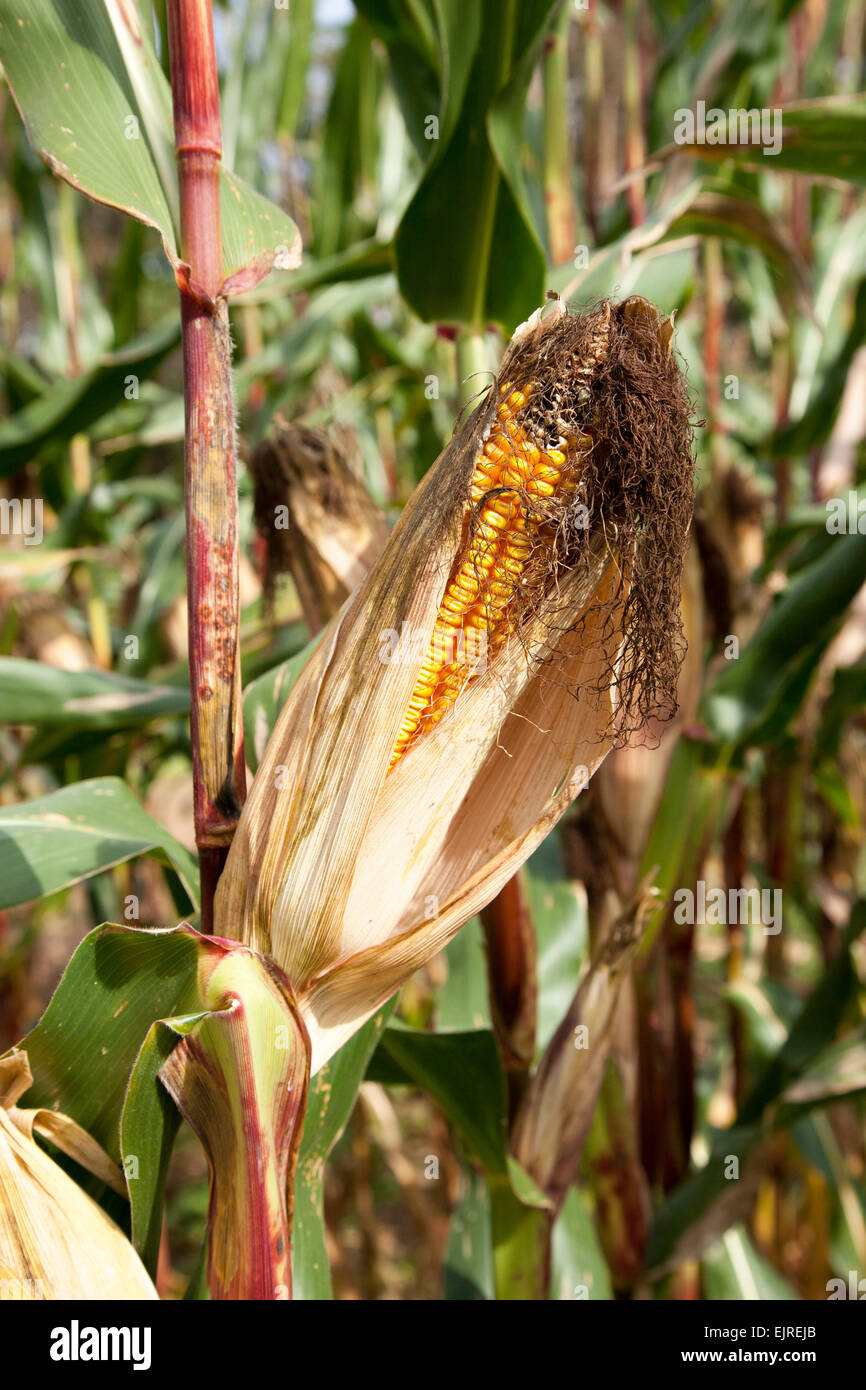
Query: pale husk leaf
x=556 y=1112
x=55 y=1242
x=286 y=883
x=468 y=804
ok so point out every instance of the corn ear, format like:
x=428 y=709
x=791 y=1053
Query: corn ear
x=403 y=784
x=315 y=517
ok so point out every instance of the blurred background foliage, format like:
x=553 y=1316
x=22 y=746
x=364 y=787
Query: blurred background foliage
x=447 y=162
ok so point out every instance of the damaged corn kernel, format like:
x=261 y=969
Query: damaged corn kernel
x=529 y=457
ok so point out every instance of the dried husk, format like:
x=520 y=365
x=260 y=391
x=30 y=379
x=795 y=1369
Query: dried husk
x=55 y=1242
x=351 y=877
x=335 y=531
x=556 y=1112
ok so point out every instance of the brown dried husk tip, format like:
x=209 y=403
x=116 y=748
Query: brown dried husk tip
x=332 y=531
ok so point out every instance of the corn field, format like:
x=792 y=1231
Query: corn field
x=433 y=654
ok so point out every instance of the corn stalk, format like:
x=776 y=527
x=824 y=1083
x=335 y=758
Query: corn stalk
x=209 y=449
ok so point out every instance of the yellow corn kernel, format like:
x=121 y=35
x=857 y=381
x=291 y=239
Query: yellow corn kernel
x=475 y=605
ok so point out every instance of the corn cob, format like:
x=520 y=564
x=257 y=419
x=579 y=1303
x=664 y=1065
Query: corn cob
x=512 y=472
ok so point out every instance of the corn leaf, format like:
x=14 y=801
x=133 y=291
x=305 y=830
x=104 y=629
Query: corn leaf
x=708 y=1202
x=264 y=698
x=34 y=693
x=733 y=1269
x=578 y=1265
x=149 y=1122
x=69 y=406
x=823 y=137
x=119 y=982
x=481 y=54
x=559 y=915
x=78 y=831
x=463 y=1074
x=468 y=1272
x=331 y=1099
x=758 y=694
x=97 y=108
x=463 y=1001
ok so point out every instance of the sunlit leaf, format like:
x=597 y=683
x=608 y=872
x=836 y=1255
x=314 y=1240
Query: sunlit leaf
x=80 y=830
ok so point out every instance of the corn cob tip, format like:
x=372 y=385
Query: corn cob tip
x=587 y=430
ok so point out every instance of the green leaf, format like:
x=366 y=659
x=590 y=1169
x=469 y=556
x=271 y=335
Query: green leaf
x=744 y=220
x=419 y=38
x=624 y=266
x=812 y=428
x=837 y=1073
x=773 y=672
x=832 y=787
x=32 y=692
x=734 y=1271
x=77 y=831
x=70 y=406
x=148 y=1125
x=469 y=1252
x=119 y=982
x=99 y=122
x=264 y=698
x=256 y=235
x=558 y=914
x=824 y=137
x=691 y=803
x=463 y=1001
x=764 y=1027
x=97 y=108
x=124 y=1001
x=847 y=698
x=578 y=1269
x=490 y=267
x=463 y=1074
x=346 y=166
x=521 y=1239
x=362 y=261
x=813 y=1031
x=333 y=1092
x=293 y=67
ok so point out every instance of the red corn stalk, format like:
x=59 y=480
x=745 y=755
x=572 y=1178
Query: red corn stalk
x=239 y=1077
x=209 y=449
x=511 y=967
